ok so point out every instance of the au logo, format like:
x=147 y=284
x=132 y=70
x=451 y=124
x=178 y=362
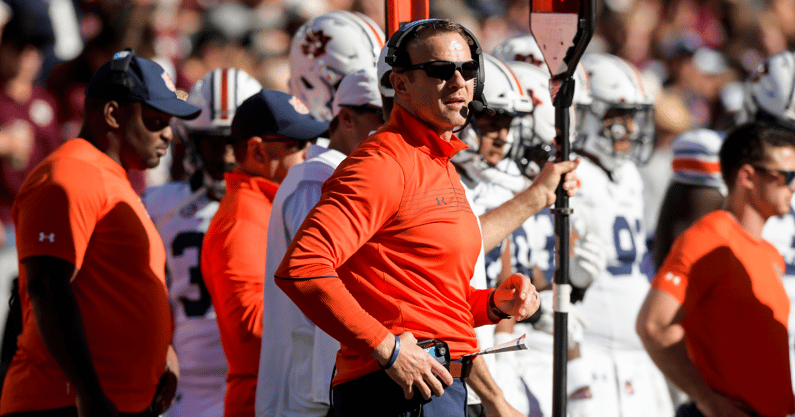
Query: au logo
x=50 y=237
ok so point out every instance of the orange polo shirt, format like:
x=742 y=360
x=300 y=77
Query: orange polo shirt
x=730 y=286
x=233 y=268
x=390 y=247
x=77 y=205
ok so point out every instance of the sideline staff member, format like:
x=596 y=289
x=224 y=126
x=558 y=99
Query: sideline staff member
x=715 y=319
x=97 y=323
x=394 y=223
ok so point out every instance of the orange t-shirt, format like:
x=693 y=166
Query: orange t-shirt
x=77 y=205
x=394 y=222
x=730 y=286
x=233 y=267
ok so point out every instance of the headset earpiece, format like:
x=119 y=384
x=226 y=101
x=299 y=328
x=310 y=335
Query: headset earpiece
x=119 y=66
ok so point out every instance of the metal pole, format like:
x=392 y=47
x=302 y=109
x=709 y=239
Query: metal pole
x=564 y=84
x=562 y=287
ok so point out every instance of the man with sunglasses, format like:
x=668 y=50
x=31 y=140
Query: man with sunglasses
x=715 y=320
x=385 y=257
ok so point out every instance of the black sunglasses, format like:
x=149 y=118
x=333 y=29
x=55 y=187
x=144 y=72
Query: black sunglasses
x=444 y=70
x=789 y=176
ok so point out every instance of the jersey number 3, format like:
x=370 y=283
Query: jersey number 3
x=192 y=307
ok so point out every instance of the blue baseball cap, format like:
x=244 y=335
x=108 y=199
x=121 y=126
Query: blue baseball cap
x=272 y=112
x=131 y=78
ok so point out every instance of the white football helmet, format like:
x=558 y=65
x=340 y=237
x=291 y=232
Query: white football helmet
x=536 y=131
x=522 y=48
x=327 y=48
x=621 y=109
x=504 y=94
x=218 y=94
x=770 y=92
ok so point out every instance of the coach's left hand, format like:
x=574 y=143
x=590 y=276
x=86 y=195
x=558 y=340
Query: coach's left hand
x=167 y=387
x=517 y=296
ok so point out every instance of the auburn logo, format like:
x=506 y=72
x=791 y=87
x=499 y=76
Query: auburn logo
x=299 y=105
x=315 y=43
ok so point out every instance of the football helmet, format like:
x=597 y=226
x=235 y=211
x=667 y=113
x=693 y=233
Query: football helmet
x=505 y=96
x=535 y=142
x=218 y=94
x=770 y=92
x=327 y=48
x=523 y=48
x=621 y=109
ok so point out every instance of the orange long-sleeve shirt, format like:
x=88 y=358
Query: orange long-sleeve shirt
x=233 y=267
x=393 y=224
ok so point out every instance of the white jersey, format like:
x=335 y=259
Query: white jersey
x=297 y=358
x=780 y=231
x=613 y=209
x=181 y=216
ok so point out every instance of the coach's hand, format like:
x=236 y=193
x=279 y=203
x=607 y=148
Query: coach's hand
x=167 y=387
x=414 y=369
x=720 y=406
x=517 y=297
x=95 y=405
x=548 y=179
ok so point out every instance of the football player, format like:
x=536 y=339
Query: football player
x=616 y=133
x=181 y=211
x=326 y=49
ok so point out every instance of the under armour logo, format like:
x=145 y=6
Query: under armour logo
x=50 y=237
x=440 y=202
x=673 y=278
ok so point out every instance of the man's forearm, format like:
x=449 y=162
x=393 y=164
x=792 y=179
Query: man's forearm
x=672 y=359
x=498 y=223
x=60 y=322
x=491 y=396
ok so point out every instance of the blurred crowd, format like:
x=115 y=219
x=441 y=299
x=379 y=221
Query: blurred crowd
x=693 y=53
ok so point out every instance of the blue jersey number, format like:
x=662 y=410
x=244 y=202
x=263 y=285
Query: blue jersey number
x=193 y=307
x=626 y=252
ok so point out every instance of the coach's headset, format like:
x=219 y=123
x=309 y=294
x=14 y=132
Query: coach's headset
x=396 y=55
x=119 y=65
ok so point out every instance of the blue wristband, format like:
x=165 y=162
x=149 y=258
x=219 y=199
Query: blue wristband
x=395 y=352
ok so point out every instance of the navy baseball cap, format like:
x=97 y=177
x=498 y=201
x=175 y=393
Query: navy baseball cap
x=272 y=112
x=131 y=78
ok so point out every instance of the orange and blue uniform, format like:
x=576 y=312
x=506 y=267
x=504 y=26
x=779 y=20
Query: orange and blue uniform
x=729 y=284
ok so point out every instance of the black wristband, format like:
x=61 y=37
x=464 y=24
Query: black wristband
x=496 y=311
x=395 y=352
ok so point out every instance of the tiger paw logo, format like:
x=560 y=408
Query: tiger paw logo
x=315 y=43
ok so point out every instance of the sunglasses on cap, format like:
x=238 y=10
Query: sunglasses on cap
x=789 y=176
x=444 y=70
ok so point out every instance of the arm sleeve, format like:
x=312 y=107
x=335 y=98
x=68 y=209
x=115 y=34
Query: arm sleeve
x=242 y=285
x=354 y=206
x=479 y=304
x=56 y=214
